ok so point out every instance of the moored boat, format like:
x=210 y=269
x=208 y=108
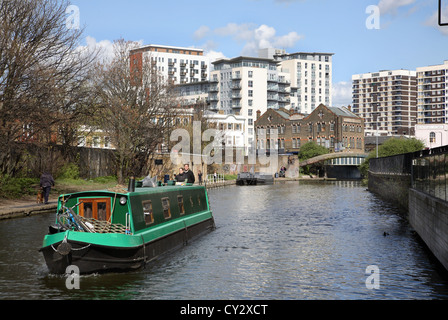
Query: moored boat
x=247 y=178
x=123 y=229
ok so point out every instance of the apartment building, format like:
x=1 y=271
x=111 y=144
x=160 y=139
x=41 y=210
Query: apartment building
x=193 y=93
x=245 y=85
x=178 y=64
x=432 y=94
x=387 y=101
x=337 y=129
x=310 y=76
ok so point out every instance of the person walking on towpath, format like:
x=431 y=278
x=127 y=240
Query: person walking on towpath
x=46 y=182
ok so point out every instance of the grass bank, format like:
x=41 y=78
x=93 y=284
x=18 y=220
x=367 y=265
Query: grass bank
x=27 y=188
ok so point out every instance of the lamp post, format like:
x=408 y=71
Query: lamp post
x=376 y=125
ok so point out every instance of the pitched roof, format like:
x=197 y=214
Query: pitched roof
x=342 y=111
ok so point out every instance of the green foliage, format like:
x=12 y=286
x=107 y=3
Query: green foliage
x=391 y=147
x=68 y=171
x=105 y=179
x=14 y=188
x=310 y=150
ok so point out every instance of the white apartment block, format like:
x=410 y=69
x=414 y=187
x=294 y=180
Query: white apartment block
x=245 y=85
x=178 y=64
x=194 y=93
x=432 y=102
x=310 y=77
x=387 y=101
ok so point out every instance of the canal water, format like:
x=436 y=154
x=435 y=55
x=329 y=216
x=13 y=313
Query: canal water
x=288 y=241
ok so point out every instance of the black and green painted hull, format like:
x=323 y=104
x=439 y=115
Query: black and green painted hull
x=106 y=252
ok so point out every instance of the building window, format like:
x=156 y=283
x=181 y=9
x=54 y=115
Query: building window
x=432 y=137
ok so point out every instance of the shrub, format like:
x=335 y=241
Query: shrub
x=14 y=188
x=69 y=171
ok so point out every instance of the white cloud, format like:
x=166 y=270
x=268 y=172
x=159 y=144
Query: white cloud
x=105 y=48
x=255 y=37
x=214 y=55
x=288 y=40
x=342 y=94
x=201 y=32
x=433 y=21
x=391 y=6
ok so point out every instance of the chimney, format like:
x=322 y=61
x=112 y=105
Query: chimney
x=258 y=114
x=131 y=186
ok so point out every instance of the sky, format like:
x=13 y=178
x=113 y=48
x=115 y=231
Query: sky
x=364 y=35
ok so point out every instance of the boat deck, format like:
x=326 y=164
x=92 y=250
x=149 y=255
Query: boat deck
x=105 y=226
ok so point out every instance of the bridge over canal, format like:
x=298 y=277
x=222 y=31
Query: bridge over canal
x=351 y=158
x=338 y=165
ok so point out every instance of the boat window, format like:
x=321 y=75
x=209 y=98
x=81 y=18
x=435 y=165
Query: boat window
x=88 y=210
x=95 y=208
x=166 y=208
x=180 y=201
x=101 y=211
x=147 y=211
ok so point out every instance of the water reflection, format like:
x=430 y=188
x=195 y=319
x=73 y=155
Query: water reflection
x=285 y=241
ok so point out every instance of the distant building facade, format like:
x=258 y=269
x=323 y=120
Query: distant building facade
x=432 y=135
x=310 y=77
x=178 y=65
x=433 y=94
x=337 y=129
x=243 y=85
x=387 y=101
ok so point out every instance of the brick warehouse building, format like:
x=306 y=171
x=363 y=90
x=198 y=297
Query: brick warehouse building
x=337 y=129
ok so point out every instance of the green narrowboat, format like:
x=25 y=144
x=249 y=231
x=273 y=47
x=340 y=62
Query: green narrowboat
x=123 y=229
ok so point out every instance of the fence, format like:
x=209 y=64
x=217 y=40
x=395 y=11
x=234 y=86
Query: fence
x=429 y=172
x=399 y=164
x=210 y=178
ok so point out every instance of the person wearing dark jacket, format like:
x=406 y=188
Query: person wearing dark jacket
x=188 y=174
x=181 y=176
x=46 y=182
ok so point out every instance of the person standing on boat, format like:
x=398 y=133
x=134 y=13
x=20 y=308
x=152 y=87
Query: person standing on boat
x=181 y=176
x=188 y=173
x=46 y=182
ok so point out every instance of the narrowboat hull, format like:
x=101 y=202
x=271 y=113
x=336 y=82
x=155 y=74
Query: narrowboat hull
x=98 y=253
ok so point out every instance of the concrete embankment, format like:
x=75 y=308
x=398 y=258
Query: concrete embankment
x=26 y=209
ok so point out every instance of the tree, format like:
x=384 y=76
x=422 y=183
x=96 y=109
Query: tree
x=391 y=147
x=311 y=150
x=137 y=108
x=43 y=76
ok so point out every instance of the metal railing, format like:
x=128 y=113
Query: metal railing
x=211 y=179
x=430 y=172
x=398 y=164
